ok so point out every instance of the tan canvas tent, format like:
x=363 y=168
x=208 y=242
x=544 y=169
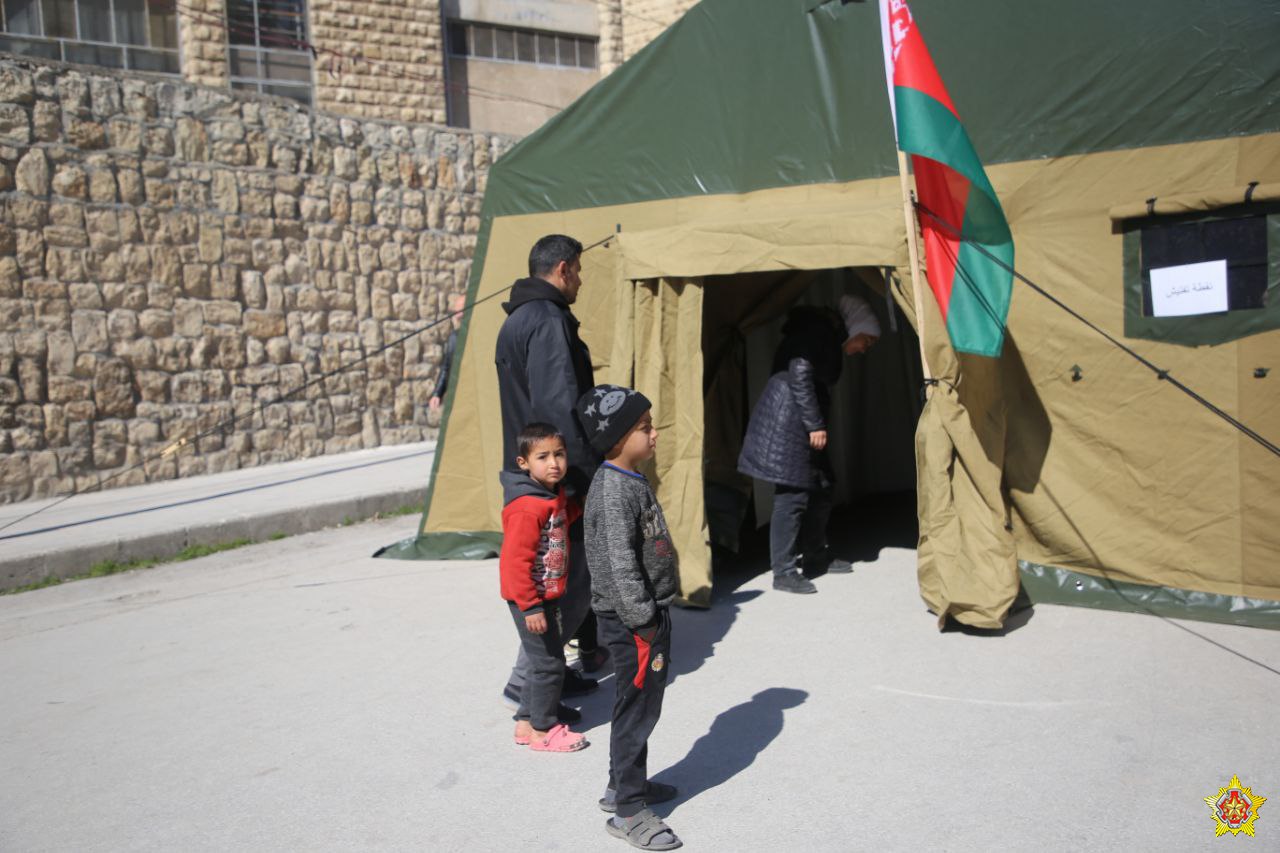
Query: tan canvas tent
x=747 y=153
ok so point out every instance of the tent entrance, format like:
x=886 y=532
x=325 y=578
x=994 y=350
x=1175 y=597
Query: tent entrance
x=875 y=406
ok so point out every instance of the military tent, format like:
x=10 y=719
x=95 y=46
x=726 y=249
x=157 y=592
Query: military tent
x=745 y=159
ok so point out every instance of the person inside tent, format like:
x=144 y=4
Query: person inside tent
x=786 y=439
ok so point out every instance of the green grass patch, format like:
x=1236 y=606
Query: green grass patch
x=407 y=509
x=113 y=567
x=191 y=552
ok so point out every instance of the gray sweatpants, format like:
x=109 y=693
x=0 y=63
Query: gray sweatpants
x=574 y=605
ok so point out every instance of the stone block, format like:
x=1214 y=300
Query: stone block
x=65 y=389
x=32 y=173
x=89 y=330
x=61 y=353
x=85 y=134
x=188 y=318
x=132 y=188
x=109 y=448
x=153 y=386
x=113 y=392
x=46 y=121
x=263 y=324
x=140 y=353
x=85 y=296
x=156 y=323
x=102 y=186
x=188 y=388
x=222 y=311
x=124 y=135
x=15 y=125
x=122 y=325
x=17 y=85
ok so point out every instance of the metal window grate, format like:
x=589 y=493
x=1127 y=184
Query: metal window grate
x=267 y=47
x=139 y=35
x=510 y=44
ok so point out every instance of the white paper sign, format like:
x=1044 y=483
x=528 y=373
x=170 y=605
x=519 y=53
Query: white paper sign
x=1189 y=289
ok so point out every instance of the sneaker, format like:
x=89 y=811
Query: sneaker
x=592 y=661
x=576 y=685
x=794 y=582
x=828 y=566
x=838 y=566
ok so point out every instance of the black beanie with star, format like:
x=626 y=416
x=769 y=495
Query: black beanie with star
x=608 y=412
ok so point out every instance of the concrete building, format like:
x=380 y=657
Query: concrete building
x=503 y=66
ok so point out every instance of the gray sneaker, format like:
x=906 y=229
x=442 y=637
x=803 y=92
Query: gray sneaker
x=793 y=581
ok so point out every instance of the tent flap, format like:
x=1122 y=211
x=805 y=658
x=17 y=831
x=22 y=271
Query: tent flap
x=966 y=563
x=668 y=370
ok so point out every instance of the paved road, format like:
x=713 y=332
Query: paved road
x=297 y=695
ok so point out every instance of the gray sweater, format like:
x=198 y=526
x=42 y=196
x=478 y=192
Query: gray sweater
x=629 y=550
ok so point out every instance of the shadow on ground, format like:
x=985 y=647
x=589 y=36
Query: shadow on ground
x=858 y=532
x=736 y=737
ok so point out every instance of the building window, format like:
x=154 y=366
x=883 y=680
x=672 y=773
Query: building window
x=139 y=35
x=507 y=44
x=268 y=50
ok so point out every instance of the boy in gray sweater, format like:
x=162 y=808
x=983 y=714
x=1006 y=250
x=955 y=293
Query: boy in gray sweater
x=633 y=580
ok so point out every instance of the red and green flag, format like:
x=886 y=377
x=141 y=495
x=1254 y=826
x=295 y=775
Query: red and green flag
x=958 y=208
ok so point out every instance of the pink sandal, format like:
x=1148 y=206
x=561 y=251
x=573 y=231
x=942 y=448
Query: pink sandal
x=559 y=739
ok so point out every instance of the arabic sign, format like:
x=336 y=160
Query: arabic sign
x=1189 y=289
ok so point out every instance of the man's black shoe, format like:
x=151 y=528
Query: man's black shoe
x=576 y=685
x=794 y=582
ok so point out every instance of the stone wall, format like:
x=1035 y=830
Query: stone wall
x=203 y=36
x=644 y=20
x=171 y=255
x=387 y=60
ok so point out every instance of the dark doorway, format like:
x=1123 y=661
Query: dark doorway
x=875 y=406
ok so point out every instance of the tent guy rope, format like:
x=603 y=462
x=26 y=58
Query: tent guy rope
x=1160 y=373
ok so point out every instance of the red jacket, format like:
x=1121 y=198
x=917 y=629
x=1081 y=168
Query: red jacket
x=534 y=562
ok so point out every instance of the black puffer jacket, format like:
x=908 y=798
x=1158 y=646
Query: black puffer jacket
x=796 y=401
x=543 y=368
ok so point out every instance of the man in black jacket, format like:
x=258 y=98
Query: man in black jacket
x=543 y=368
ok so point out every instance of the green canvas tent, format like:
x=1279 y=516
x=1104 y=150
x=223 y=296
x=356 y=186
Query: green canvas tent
x=747 y=157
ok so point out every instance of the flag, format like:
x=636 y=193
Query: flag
x=958 y=208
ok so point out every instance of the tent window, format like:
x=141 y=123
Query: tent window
x=1203 y=278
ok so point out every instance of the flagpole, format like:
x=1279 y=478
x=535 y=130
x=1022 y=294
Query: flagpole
x=913 y=255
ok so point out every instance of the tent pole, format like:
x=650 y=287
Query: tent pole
x=913 y=253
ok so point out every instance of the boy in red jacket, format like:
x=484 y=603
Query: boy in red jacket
x=534 y=569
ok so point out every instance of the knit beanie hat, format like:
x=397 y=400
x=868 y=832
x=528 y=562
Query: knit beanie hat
x=858 y=317
x=608 y=412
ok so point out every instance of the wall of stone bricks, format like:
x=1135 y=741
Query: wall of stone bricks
x=642 y=21
x=173 y=255
x=387 y=60
x=202 y=35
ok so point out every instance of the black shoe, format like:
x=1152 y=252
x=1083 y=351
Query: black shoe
x=576 y=685
x=794 y=582
x=834 y=566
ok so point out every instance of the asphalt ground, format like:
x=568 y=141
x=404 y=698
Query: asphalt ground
x=299 y=695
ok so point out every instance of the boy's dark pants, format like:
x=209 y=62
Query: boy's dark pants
x=799 y=526
x=574 y=604
x=540 y=695
x=641 y=671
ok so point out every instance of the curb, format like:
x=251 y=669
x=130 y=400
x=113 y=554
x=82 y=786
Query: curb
x=74 y=560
